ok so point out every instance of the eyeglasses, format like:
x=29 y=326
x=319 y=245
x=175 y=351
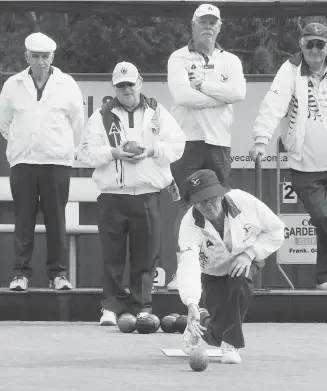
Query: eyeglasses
x=318 y=44
x=125 y=84
x=211 y=201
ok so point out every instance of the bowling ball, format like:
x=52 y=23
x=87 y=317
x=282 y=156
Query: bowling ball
x=132 y=147
x=180 y=324
x=199 y=360
x=167 y=323
x=147 y=324
x=126 y=323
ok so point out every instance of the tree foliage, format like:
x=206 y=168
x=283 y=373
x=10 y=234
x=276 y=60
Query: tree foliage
x=95 y=43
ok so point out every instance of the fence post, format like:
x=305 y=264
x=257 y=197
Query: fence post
x=258 y=194
x=72 y=260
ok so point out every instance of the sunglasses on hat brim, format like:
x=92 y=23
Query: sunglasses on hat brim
x=315 y=43
x=125 y=84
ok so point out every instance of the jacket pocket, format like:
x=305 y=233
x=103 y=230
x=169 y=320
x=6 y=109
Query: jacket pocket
x=149 y=174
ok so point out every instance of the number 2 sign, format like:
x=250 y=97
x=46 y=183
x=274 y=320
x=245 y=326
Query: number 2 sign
x=289 y=195
x=160 y=277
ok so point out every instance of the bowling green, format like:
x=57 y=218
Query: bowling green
x=46 y=356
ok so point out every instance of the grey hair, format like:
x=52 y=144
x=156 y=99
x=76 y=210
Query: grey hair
x=194 y=19
x=27 y=51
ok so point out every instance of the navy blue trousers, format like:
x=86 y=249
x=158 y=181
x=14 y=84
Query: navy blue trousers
x=311 y=187
x=137 y=217
x=47 y=186
x=227 y=300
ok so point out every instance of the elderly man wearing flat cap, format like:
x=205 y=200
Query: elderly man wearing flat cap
x=298 y=100
x=204 y=81
x=42 y=119
x=224 y=239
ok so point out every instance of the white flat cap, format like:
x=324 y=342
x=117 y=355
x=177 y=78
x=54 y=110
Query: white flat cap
x=38 y=42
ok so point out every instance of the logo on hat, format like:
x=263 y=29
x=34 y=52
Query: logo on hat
x=210 y=9
x=317 y=29
x=123 y=71
x=195 y=181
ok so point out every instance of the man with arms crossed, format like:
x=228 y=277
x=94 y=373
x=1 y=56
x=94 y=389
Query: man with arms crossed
x=204 y=81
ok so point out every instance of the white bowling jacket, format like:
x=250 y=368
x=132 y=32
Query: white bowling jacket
x=250 y=227
x=207 y=114
x=44 y=131
x=152 y=126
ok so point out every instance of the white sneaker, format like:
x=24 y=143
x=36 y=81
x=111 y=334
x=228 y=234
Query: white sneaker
x=19 y=283
x=190 y=342
x=322 y=287
x=108 y=318
x=230 y=355
x=172 y=286
x=60 y=283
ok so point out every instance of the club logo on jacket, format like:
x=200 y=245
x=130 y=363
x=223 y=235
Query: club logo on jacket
x=224 y=78
x=114 y=135
x=209 y=243
x=247 y=229
x=155 y=124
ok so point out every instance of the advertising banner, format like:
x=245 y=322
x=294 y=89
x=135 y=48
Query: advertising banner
x=300 y=245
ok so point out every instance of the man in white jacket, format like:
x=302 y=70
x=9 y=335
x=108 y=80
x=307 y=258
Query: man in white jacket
x=224 y=239
x=204 y=81
x=130 y=183
x=42 y=119
x=297 y=99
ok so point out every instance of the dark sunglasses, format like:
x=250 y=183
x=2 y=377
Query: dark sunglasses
x=126 y=84
x=318 y=44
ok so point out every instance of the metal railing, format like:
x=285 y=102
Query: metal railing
x=258 y=178
x=258 y=194
x=279 y=148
